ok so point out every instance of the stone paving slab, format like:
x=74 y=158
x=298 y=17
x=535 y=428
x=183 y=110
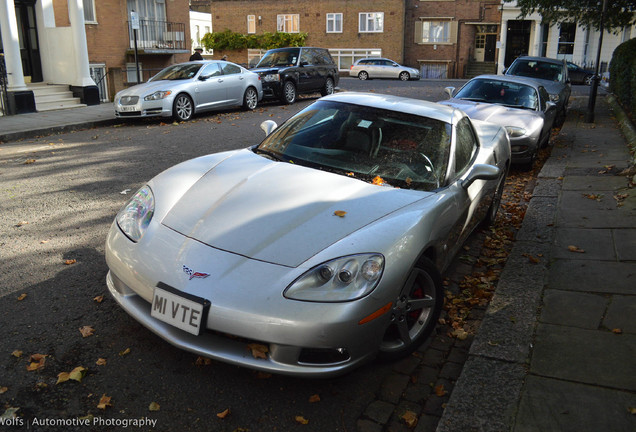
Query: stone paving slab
x=588 y=356
x=596 y=244
x=621 y=313
x=625 y=241
x=490 y=380
x=594 y=183
x=506 y=331
x=538 y=223
x=593 y=276
x=575 y=309
x=594 y=209
x=550 y=405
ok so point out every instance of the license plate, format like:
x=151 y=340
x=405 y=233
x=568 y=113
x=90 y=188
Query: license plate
x=184 y=311
x=128 y=108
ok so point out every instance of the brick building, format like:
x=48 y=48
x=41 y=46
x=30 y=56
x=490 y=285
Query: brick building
x=85 y=48
x=452 y=38
x=349 y=29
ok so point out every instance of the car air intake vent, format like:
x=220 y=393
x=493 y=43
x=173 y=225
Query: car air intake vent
x=323 y=356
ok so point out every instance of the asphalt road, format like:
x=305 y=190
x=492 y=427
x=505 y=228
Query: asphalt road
x=58 y=196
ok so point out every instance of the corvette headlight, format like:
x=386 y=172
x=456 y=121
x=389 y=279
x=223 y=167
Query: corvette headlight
x=342 y=279
x=271 y=77
x=158 y=95
x=135 y=217
x=514 y=132
x=554 y=97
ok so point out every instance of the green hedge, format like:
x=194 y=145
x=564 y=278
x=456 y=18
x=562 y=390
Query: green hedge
x=228 y=40
x=623 y=75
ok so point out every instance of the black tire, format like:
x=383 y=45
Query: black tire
x=289 y=93
x=250 y=99
x=560 y=118
x=415 y=312
x=328 y=88
x=183 y=108
x=491 y=215
x=363 y=76
x=404 y=76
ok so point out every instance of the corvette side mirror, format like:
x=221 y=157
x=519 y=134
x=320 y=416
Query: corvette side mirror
x=481 y=172
x=269 y=126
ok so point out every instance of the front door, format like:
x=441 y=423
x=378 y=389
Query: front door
x=28 y=38
x=489 y=49
x=518 y=40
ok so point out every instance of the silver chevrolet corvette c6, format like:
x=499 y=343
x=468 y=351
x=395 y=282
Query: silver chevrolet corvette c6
x=323 y=245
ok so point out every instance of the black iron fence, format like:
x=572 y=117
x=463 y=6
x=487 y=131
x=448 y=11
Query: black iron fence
x=4 y=103
x=158 y=35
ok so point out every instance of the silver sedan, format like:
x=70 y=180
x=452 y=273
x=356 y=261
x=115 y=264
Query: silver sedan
x=370 y=68
x=521 y=105
x=181 y=90
x=318 y=249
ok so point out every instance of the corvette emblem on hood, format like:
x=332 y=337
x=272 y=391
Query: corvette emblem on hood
x=187 y=270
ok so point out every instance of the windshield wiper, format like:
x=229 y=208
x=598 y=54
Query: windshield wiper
x=268 y=153
x=473 y=99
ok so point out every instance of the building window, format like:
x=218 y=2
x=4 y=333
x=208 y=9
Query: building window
x=435 y=32
x=334 y=23
x=566 y=38
x=89 y=12
x=371 y=22
x=251 y=24
x=345 y=57
x=131 y=73
x=288 y=23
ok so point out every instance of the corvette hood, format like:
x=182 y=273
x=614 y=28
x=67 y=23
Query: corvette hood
x=279 y=212
x=494 y=113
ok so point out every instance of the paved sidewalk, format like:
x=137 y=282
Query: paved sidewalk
x=557 y=348
x=29 y=125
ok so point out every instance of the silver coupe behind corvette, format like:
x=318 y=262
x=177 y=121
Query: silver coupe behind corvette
x=521 y=105
x=320 y=248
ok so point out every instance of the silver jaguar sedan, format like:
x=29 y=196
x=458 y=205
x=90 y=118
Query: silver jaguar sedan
x=318 y=249
x=521 y=105
x=182 y=90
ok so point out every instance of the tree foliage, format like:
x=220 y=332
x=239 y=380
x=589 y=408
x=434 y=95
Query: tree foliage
x=618 y=13
x=229 y=40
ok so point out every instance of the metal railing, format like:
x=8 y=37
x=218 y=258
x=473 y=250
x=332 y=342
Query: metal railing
x=4 y=103
x=158 y=35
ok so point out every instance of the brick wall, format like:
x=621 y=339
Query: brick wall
x=232 y=15
x=458 y=54
x=108 y=40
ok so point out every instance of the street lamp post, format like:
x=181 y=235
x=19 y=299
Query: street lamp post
x=589 y=118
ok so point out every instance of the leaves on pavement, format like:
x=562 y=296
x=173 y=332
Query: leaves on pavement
x=340 y=213
x=154 y=406
x=223 y=414
x=124 y=352
x=104 y=401
x=575 y=249
x=301 y=420
x=86 y=331
x=76 y=375
x=70 y=262
x=37 y=362
x=410 y=418
x=22 y=297
x=101 y=362
x=314 y=398
x=17 y=353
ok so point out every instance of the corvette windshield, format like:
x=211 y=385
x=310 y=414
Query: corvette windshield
x=178 y=72
x=508 y=93
x=379 y=146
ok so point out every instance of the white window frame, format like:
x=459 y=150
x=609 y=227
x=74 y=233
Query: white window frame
x=436 y=31
x=251 y=24
x=371 y=22
x=335 y=19
x=131 y=73
x=90 y=17
x=283 y=21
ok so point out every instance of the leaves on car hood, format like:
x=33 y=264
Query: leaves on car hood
x=278 y=212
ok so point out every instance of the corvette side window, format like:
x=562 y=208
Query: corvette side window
x=466 y=145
